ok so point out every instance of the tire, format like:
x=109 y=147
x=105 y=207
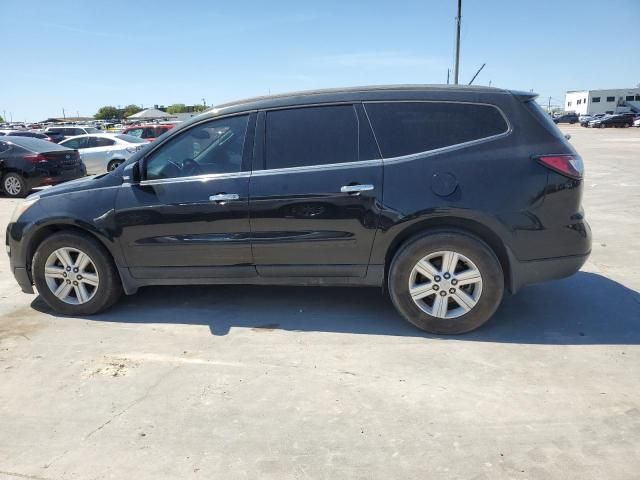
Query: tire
x=471 y=251
x=14 y=185
x=113 y=164
x=602 y=125
x=99 y=297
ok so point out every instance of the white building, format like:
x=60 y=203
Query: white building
x=618 y=100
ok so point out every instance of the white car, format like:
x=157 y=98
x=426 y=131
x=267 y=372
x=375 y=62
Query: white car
x=104 y=152
x=636 y=122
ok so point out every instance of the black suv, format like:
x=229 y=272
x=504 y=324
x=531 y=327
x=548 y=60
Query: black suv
x=444 y=196
x=567 y=118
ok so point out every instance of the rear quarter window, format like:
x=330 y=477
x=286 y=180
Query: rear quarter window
x=405 y=128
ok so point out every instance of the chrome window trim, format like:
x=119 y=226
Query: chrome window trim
x=195 y=178
x=449 y=148
x=318 y=168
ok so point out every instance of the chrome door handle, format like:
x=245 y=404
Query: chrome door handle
x=224 y=197
x=356 y=189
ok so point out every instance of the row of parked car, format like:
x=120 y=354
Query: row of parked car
x=600 y=120
x=31 y=159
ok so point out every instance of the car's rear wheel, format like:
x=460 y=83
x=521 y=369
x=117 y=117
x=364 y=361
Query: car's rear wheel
x=446 y=282
x=14 y=185
x=113 y=164
x=75 y=275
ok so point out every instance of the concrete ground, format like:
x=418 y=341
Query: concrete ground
x=293 y=383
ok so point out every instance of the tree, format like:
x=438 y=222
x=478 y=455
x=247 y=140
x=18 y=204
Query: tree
x=177 y=108
x=108 y=113
x=1 y=119
x=199 y=108
x=131 y=110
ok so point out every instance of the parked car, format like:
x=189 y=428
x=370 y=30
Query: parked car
x=60 y=133
x=104 y=152
x=585 y=119
x=147 y=132
x=618 y=120
x=26 y=163
x=445 y=196
x=566 y=118
x=25 y=133
x=636 y=122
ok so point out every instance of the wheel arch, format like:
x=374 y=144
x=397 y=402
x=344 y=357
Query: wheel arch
x=455 y=224
x=45 y=231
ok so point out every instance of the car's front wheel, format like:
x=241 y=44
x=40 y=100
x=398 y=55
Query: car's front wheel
x=75 y=275
x=446 y=282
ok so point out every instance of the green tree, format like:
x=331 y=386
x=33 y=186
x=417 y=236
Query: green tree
x=177 y=108
x=199 y=108
x=131 y=110
x=1 y=119
x=107 y=113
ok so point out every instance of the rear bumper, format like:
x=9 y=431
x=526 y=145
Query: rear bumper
x=536 y=271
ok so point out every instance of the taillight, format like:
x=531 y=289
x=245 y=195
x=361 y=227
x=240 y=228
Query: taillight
x=36 y=158
x=568 y=165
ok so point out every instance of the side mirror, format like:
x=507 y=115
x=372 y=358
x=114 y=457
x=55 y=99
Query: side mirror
x=131 y=173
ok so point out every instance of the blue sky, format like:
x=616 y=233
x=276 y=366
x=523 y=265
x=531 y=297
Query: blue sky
x=84 y=54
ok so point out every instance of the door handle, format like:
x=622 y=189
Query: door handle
x=224 y=197
x=355 y=189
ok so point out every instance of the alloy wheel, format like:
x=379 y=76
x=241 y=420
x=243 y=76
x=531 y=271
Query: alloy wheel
x=445 y=284
x=12 y=186
x=71 y=276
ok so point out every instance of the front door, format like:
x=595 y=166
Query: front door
x=188 y=217
x=314 y=192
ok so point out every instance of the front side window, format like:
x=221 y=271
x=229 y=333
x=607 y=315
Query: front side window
x=149 y=132
x=404 y=128
x=311 y=136
x=208 y=148
x=76 y=143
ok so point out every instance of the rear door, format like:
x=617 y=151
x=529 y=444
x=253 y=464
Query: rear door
x=314 y=192
x=96 y=154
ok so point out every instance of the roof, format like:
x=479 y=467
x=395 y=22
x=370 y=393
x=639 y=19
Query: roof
x=354 y=93
x=150 y=113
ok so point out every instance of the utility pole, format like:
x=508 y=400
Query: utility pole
x=204 y=103
x=63 y=114
x=549 y=106
x=457 y=65
x=448 y=70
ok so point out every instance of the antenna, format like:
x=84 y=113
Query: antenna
x=479 y=70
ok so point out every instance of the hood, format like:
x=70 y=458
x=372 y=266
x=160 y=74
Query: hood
x=84 y=183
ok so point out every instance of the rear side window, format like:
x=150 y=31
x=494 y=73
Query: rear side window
x=101 y=142
x=311 y=136
x=403 y=128
x=136 y=132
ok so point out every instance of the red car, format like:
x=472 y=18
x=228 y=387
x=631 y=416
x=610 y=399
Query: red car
x=147 y=132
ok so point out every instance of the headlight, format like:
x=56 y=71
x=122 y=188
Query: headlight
x=23 y=207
